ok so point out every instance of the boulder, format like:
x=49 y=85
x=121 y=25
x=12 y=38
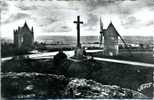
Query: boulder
x=39 y=85
x=82 y=88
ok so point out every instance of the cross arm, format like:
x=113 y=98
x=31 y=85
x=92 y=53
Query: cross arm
x=78 y=22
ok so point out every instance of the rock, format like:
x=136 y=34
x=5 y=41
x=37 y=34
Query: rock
x=39 y=85
x=82 y=88
x=33 y=85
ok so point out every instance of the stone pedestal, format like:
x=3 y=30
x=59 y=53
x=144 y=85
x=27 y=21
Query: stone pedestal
x=80 y=53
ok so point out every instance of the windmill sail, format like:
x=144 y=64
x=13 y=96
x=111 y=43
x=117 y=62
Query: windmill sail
x=101 y=25
x=101 y=32
x=101 y=39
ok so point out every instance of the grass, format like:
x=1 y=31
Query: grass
x=109 y=73
x=140 y=56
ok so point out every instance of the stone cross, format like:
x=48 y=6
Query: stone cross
x=78 y=22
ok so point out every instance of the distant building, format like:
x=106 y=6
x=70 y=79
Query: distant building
x=109 y=37
x=24 y=37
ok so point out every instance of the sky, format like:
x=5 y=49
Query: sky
x=55 y=17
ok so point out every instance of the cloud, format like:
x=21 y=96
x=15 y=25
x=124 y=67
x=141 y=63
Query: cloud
x=130 y=22
x=46 y=20
x=52 y=18
x=149 y=23
x=23 y=7
x=94 y=4
x=133 y=22
x=126 y=11
x=58 y=26
x=91 y=21
x=120 y=7
x=62 y=28
x=3 y=6
x=148 y=3
x=15 y=17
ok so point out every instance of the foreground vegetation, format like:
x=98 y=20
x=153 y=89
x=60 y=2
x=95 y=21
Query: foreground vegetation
x=126 y=76
x=44 y=86
x=8 y=50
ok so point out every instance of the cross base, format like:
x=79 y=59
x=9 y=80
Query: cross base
x=80 y=54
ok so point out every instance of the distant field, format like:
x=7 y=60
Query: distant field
x=140 y=56
x=92 y=39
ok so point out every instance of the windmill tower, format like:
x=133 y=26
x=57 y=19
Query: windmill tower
x=110 y=37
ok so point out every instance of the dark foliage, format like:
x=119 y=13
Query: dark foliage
x=59 y=58
x=11 y=50
x=16 y=85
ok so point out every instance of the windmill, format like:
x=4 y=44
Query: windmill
x=110 y=37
